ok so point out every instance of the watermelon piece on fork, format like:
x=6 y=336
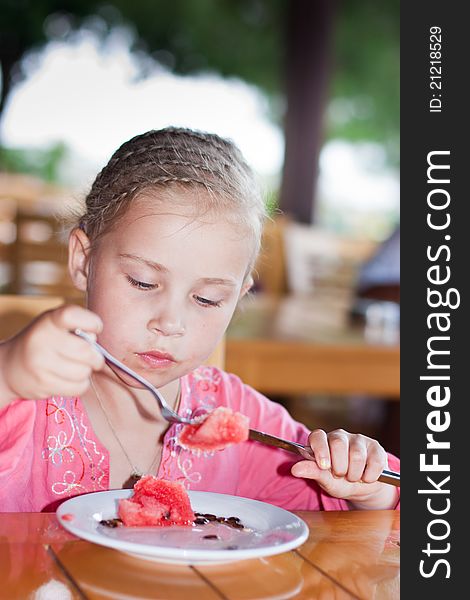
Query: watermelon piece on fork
x=215 y=431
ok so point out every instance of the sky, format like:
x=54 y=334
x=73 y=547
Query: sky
x=92 y=99
x=88 y=95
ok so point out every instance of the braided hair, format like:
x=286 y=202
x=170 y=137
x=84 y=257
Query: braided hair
x=175 y=159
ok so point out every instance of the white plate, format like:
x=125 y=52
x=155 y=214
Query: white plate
x=268 y=529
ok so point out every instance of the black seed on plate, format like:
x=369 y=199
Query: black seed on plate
x=210 y=537
x=204 y=518
x=111 y=522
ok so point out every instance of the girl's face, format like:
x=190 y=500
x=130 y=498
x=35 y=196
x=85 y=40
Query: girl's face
x=165 y=286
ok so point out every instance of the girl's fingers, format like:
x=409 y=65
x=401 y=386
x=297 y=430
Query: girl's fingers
x=58 y=386
x=56 y=361
x=71 y=317
x=318 y=441
x=67 y=318
x=80 y=351
x=339 y=449
x=70 y=371
x=307 y=469
x=376 y=462
x=357 y=458
x=48 y=383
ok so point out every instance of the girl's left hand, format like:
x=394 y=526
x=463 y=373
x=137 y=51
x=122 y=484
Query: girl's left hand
x=347 y=466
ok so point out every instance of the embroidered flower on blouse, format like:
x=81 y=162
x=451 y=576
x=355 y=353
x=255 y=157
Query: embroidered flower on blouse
x=56 y=406
x=68 y=484
x=69 y=447
x=58 y=449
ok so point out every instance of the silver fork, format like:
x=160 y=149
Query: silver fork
x=171 y=416
x=167 y=413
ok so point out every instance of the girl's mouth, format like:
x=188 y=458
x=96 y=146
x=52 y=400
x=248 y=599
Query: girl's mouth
x=156 y=359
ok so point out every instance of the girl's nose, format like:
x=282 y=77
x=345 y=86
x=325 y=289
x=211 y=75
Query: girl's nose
x=168 y=323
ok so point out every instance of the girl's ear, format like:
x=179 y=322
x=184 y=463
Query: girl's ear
x=79 y=252
x=246 y=287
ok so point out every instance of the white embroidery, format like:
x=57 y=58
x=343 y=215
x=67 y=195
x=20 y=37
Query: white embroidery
x=57 y=446
x=95 y=465
x=71 y=445
x=67 y=484
x=60 y=444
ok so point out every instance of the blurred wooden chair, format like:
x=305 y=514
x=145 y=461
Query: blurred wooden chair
x=270 y=272
x=16 y=311
x=33 y=248
x=322 y=262
x=305 y=259
x=39 y=256
x=7 y=241
x=29 y=190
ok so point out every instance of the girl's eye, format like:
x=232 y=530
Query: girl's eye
x=206 y=301
x=141 y=285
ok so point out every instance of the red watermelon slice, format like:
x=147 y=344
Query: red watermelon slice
x=156 y=502
x=216 y=430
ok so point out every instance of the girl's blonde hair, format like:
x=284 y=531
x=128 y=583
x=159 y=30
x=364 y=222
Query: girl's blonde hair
x=176 y=158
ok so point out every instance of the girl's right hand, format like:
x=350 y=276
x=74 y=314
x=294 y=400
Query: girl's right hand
x=46 y=359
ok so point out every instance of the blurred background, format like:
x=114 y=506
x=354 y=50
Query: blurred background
x=308 y=90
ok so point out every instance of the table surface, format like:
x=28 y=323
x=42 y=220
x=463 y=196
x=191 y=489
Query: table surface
x=308 y=344
x=352 y=554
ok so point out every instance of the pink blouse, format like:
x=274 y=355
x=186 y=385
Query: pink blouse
x=49 y=451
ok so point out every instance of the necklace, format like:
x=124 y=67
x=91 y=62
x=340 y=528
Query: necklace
x=136 y=473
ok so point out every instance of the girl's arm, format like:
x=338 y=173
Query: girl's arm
x=45 y=359
x=6 y=393
x=350 y=467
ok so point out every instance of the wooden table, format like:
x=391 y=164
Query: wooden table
x=306 y=345
x=348 y=555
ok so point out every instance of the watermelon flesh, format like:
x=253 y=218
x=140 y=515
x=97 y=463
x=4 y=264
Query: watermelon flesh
x=216 y=430
x=156 y=502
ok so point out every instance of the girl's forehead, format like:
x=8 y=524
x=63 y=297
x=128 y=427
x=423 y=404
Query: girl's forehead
x=183 y=214
x=173 y=234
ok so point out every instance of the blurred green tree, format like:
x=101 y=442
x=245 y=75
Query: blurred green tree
x=286 y=48
x=44 y=163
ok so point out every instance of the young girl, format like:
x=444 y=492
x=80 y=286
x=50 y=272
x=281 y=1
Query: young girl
x=164 y=251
